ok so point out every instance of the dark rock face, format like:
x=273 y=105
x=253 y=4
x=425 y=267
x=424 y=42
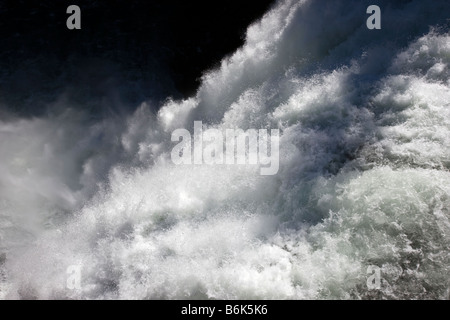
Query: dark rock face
x=125 y=52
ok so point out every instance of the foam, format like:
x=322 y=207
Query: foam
x=363 y=179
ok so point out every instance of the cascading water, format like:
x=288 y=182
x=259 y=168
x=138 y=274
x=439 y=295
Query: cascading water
x=364 y=180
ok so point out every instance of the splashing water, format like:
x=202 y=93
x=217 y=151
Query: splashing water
x=363 y=181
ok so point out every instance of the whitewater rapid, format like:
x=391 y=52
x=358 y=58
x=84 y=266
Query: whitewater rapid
x=363 y=180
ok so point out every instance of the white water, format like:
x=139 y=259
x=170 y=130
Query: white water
x=364 y=173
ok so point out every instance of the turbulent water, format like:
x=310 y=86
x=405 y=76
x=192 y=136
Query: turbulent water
x=364 y=180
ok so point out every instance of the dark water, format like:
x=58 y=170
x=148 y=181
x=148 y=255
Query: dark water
x=125 y=53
